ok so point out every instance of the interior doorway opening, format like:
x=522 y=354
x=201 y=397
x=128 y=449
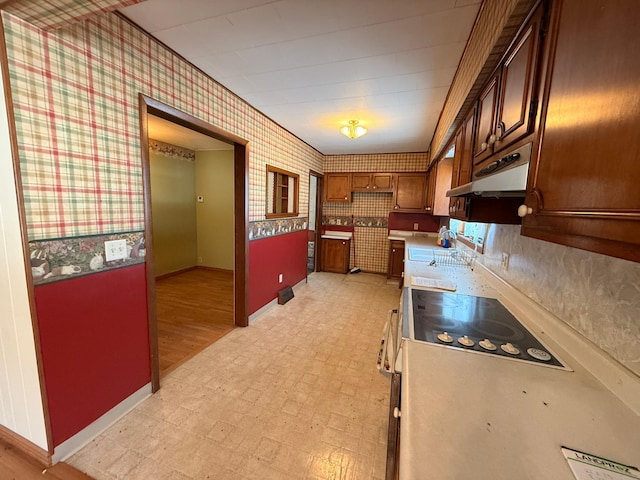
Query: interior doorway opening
x=315 y=221
x=177 y=290
x=192 y=224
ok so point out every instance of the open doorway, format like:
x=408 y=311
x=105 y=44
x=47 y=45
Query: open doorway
x=315 y=220
x=184 y=297
x=191 y=178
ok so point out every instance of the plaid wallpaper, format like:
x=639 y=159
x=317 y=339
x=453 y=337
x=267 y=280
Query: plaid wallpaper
x=379 y=162
x=52 y=14
x=75 y=94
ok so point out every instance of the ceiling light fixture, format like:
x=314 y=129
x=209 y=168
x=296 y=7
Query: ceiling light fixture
x=353 y=130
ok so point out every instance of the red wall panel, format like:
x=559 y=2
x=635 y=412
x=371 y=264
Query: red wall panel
x=268 y=257
x=405 y=221
x=95 y=345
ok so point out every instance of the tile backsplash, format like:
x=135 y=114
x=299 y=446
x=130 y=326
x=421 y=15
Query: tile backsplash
x=597 y=295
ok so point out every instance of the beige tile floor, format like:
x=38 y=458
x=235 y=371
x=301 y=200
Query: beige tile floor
x=294 y=396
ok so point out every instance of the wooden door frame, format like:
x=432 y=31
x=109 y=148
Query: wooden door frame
x=148 y=106
x=318 y=225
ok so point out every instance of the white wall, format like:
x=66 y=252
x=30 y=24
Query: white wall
x=20 y=402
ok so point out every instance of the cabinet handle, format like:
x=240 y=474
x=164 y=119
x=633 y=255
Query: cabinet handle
x=393 y=250
x=344 y=243
x=369 y=186
x=524 y=210
x=375 y=186
x=502 y=128
x=492 y=139
x=396 y=207
x=396 y=412
x=346 y=198
x=484 y=145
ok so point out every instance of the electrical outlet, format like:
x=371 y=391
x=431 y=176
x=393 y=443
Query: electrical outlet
x=416 y=226
x=115 y=250
x=505 y=260
x=280 y=278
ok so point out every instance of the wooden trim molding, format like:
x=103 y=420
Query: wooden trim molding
x=148 y=234
x=173 y=274
x=4 y=65
x=189 y=269
x=479 y=247
x=147 y=106
x=25 y=446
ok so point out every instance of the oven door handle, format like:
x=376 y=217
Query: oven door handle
x=386 y=353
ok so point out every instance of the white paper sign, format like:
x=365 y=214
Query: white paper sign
x=591 y=467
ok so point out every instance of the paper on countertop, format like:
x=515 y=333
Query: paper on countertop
x=591 y=467
x=433 y=283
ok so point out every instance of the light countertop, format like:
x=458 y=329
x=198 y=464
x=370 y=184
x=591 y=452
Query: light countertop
x=337 y=235
x=404 y=235
x=467 y=415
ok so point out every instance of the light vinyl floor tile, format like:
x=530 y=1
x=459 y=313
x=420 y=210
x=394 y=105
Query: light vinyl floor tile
x=295 y=395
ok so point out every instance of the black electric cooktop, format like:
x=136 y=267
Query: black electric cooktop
x=479 y=324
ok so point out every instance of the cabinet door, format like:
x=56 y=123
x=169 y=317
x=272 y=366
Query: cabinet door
x=337 y=187
x=431 y=190
x=485 y=127
x=463 y=160
x=396 y=259
x=517 y=85
x=361 y=182
x=410 y=193
x=335 y=255
x=382 y=182
x=583 y=190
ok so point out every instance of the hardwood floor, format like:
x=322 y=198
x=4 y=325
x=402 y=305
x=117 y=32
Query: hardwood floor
x=194 y=309
x=16 y=466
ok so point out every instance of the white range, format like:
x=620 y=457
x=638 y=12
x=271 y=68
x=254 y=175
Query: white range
x=472 y=416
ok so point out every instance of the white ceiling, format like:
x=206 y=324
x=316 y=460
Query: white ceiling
x=168 y=132
x=312 y=65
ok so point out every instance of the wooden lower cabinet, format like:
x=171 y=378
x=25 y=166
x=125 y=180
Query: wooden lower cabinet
x=396 y=259
x=335 y=255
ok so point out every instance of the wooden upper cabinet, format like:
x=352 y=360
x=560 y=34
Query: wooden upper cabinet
x=430 y=197
x=410 y=192
x=462 y=165
x=337 y=187
x=583 y=186
x=382 y=182
x=505 y=113
x=514 y=120
x=372 y=182
x=360 y=182
x=485 y=128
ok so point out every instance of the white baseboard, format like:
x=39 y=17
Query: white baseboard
x=84 y=436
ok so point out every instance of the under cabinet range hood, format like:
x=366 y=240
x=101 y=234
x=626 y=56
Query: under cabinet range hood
x=505 y=177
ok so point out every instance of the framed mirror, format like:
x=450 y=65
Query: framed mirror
x=282 y=193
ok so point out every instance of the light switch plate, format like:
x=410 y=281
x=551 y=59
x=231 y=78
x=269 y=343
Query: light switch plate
x=115 y=250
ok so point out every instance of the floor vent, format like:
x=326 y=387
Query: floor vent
x=285 y=295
